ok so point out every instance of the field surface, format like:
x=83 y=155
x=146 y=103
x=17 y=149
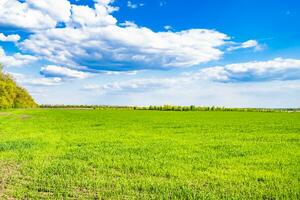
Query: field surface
x=123 y=154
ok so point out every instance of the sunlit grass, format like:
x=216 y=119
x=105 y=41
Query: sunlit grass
x=123 y=154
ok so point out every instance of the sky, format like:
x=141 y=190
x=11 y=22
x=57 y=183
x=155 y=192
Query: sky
x=154 y=52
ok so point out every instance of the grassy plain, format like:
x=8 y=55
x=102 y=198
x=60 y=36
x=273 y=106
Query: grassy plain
x=126 y=154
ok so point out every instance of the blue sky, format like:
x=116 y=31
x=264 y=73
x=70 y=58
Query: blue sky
x=225 y=53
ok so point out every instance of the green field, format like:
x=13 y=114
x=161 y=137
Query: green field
x=126 y=154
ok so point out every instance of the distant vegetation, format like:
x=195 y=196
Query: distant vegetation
x=170 y=108
x=13 y=96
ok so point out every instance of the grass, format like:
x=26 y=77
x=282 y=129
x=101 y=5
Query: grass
x=123 y=154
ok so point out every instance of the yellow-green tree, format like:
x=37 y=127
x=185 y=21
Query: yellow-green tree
x=13 y=96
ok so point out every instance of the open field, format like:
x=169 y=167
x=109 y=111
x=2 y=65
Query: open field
x=126 y=154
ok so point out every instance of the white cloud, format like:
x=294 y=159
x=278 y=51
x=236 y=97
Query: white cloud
x=120 y=72
x=168 y=27
x=93 y=40
x=135 y=85
x=35 y=81
x=59 y=10
x=249 y=44
x=63 y=72
x=9 y=38
x=42 y=81
x=129 y=24
x=126 y=48
x=245 y=45
x=16 y=60
x=134 y=5
x=107 y=4
x=213 y=73
x=33 y=14
x=276 y=69
x=84 y=16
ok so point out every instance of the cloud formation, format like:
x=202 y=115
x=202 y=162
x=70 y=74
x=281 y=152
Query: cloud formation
x=125 y=48
x=134 y=5
x=72 y=35
x=63 y=72
x=9 y=38
x=136 y=85
x=16 y=60
x=78 y=40
x=246 y=45
x=35 y=81
x=276 y=69
x=33 y=14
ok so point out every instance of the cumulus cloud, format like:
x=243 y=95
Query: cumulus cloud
x=32 y=14
x=58 y=10
x=245 y=45
x=84 y=16
x=126 y=48
x=276 y=69
x=92 y=38
x=63 y=72
x=9 y=38
x=16 y=60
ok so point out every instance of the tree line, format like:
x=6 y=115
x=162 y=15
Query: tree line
x=12 y=95
x=168 y=108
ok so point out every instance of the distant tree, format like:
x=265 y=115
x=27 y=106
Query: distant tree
x=192 y=108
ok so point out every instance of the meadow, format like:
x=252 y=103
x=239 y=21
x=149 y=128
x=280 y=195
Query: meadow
x=138 y=154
